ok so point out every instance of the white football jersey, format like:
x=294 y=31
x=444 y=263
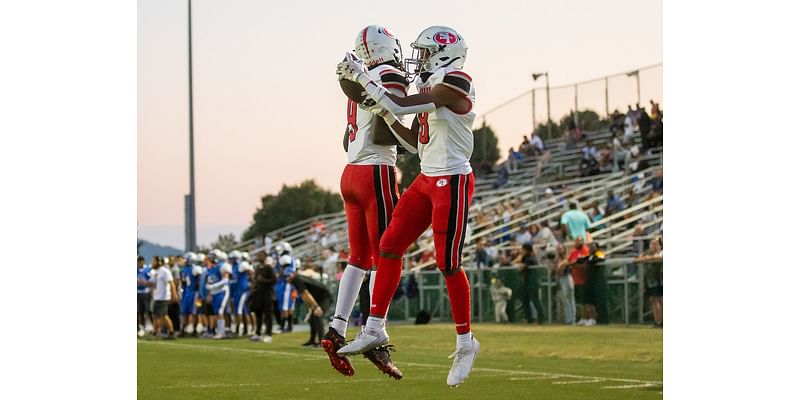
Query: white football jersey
x=361 y=150
x=445 y=139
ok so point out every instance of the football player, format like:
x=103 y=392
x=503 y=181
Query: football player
x=217 y=280
x=240 y=287
x=283 y=289
x=190 y=277
x=369 y=189
x=244 y=288
x=440 y=195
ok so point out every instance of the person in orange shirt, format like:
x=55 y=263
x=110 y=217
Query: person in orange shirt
x=579 y=276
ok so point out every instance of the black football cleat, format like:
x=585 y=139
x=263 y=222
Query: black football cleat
x=331 y=343
x=381 y=358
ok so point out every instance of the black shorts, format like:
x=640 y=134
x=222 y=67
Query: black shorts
x=208 y=309
x=143 y=303
x=160 y=307
x=580 y=294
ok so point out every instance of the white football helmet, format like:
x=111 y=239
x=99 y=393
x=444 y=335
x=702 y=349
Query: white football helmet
x=217 y=255
x=245 y=255
x=283 y=247
x=376 y=44
x=191 y=258
x=236 y=254
x=201 y=258
x=285 y=260
x=437 y=47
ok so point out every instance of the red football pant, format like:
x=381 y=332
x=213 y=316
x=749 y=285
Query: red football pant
x=440 y=201
x=370 y=194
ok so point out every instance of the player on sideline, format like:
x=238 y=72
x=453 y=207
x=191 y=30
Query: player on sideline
x=218 y=289
x=240 y=287
x=287 y=264
x=369 y=189
x=441 y=193
x=190 y=277
x=244 y=288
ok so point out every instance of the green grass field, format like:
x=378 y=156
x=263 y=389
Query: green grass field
x=515 y=362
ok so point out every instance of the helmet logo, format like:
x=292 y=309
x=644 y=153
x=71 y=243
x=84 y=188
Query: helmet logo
x=388 y=33
x=445 y=38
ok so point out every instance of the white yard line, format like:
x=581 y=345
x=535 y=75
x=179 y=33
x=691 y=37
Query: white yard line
x=631 y=383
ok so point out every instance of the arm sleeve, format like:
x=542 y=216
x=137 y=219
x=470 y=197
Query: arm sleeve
x=378 y=93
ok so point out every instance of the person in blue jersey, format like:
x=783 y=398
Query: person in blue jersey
x=244 y=319
x=234 y=258
x=240 y=287
x=204 y=327
x=190 y=279
x=283 y=289
x=217 y=281
x=143 y=296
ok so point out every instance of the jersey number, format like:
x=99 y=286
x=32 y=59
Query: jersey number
x=352 y=124
x=424 y=130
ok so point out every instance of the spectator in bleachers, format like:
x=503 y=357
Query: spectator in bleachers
x=537 y=144
x=619 y=152
x=655 y=112
x=526 y=148
x=605 y=159
x=514 y=159
x=635 y=162
x=628 y=130
x=501 y=179
x=544 y=241
x=576 y=222
x=653 y=279
x=523 y=235
x=482 y=258
x=657 y=182
x=543 y=161
x=644 y=129
x=613 y=203
x=330 y=259
x=589 y=151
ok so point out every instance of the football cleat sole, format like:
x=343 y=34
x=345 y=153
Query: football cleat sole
x=339 y=363
x=387 y=366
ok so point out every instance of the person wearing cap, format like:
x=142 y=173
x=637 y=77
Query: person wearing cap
x=262 y=296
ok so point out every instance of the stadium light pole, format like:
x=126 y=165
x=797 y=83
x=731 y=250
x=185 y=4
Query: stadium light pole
x=607 y=114
x=638 y=91
x=191 y=226
x=547 y=90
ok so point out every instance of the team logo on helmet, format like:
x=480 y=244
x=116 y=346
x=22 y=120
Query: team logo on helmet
x=387 y=32
x=445 y=38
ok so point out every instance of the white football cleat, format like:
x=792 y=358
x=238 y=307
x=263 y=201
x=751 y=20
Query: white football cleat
x=219 y=336
x=267 y=339
x=464 y=359
x=365 y=341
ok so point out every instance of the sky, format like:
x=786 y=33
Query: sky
x=268 y=110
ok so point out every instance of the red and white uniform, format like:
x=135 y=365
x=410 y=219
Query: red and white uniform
x=445 y=137
x=440 y=196
x=369 y=183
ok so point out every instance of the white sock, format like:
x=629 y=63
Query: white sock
x=220 y=327
x=349 y=286
x=372 y=282
x=464 y=339
x=375 y=324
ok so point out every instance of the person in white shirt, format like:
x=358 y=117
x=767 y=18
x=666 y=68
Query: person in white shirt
x=164 y=293
x=536 y=142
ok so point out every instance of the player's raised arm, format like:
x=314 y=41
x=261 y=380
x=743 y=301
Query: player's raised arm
x=450 y=93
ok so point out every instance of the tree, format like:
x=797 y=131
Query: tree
x=486 y=150
x=541 y=130
x=292 y=204
x=408 y=164
x=224 y=242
